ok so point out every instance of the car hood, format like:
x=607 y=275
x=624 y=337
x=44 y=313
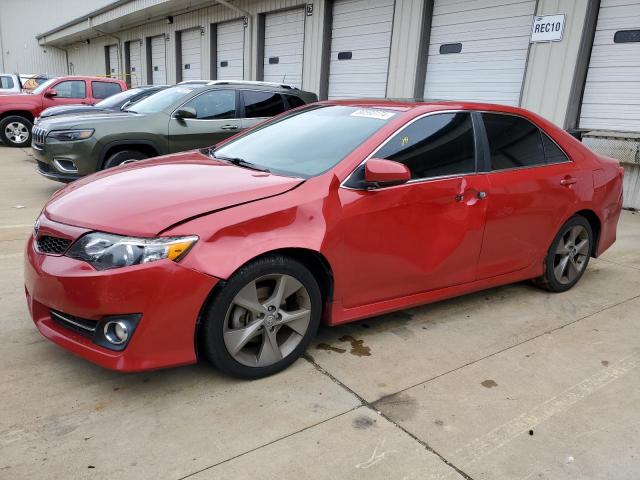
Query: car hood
x=67 y=109
x=147 y=197
x=87 y=119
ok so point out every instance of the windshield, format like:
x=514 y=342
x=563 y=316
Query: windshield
x=43 y=86
x=161 y=100
x=309 y=142
x=115 y=101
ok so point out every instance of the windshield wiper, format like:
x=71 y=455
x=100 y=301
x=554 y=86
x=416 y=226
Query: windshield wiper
x=240 y=162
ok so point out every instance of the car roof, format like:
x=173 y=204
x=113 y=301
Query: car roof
x=88 y=77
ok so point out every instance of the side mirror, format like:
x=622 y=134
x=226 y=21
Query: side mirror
x=186 y=112
x=381 y=172
x=50 y=93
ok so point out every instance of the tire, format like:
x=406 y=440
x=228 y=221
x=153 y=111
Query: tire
x=125 y=156
x=15 y=131
x=227 y=325
x=568 y=257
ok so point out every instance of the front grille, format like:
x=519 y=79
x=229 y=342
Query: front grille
x=44 y=167
x=52 y=245
x=38 y=134
x=77 y=324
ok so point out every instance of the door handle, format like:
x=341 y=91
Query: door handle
x=229 y=127
x=566 y=181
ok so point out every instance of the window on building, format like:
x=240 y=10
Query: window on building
x=214 y=105
x=434 y=146
x=446 y=48
x=71 y=89
x=262 y=104
x=626 y=36
x=514 y=142
x=105 y=89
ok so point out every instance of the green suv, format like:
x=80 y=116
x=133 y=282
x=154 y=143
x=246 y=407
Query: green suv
x=179 y=118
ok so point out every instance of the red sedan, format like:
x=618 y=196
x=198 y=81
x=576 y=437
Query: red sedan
x=333 y=212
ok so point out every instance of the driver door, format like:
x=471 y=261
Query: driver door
x=216 y=119
x=422 y=235
x=68 y=92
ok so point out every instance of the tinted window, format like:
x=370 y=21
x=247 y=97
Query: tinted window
x=513 y=141
x=6 y=82
x=104 y=89
x=434 y=146
x=214 y=105
x=552 y=152
x=71 y=89
x=294 y=102
x=309 y=141
x=262 y=104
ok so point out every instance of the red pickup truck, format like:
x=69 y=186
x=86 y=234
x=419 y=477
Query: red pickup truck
x=18 y=111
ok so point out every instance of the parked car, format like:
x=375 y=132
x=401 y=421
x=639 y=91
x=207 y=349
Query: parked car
x=114 y=103
x=10 y=83
x=179 y=118
x=335 y=212
x=18 y=111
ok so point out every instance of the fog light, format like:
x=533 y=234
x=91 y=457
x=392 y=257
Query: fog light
x=65 y=165
x=116 y=332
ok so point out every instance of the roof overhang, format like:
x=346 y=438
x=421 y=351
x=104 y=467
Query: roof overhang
x=115 y=17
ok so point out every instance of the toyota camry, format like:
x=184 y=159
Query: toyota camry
x=329 y=213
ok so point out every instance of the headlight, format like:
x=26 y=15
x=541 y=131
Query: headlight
x=70 y=135
x=105 y=251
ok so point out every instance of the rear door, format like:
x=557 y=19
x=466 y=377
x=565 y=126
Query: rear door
x=257 y=106
x=101 y=90
x=531 y=190
x=422 y=235
x=216 y=120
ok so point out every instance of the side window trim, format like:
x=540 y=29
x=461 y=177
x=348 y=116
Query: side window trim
x=346 y=181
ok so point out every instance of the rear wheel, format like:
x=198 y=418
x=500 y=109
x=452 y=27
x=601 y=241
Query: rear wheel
x=125 y=156
x=263 y=319
x=568 y=256
x=15 y=131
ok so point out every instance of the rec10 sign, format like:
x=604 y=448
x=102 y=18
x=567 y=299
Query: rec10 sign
x=548 y=28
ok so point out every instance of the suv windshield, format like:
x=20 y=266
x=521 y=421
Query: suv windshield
x=308 y=142
x=43 y=86
x=118 y=99
x=161 y=100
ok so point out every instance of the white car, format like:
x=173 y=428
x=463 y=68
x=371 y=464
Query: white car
x=10 y=83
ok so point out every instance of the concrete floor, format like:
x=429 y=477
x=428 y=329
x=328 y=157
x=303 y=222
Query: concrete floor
x=510 y=383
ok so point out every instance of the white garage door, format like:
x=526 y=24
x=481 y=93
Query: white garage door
x=284 y=47
x=360 y=43
x=478 y=50
x=159 y=60
x=135 y=63
x=114 y=70
x=230 y=50
x=611 y=98
x=191 y=49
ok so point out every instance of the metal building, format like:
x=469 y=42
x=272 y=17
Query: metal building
x=576 y=62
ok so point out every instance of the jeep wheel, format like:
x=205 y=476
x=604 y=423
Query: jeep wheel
x=125 y=156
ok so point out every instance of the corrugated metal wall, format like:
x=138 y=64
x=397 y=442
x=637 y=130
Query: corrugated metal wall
x=20 y=50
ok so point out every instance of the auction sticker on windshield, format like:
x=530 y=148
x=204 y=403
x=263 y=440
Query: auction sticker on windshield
x=372 y=113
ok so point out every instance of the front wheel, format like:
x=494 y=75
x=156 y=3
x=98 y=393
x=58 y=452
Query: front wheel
x=568 y=256
x=15 y=131
x=125 y=156
x=263 y=319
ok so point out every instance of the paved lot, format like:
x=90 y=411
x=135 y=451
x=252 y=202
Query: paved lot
x=509 y=383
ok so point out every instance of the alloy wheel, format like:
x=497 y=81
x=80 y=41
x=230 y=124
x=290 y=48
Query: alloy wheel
x=17 y=132
x=571 y=255
x=267 y=320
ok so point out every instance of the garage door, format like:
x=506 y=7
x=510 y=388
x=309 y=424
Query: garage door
x=191 y=49
x=611 y=98
x=135 y=63
x=360 y=43
x=112 y=68
x=478 y=50
x=283 y=47
x=159 y=60
x=230 y=50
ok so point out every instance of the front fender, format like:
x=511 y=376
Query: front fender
x=299 y=218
